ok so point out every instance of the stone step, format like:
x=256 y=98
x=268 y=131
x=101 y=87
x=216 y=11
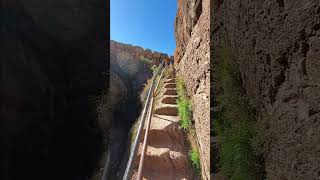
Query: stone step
x=166 y=160
x=167 y=109
x=166 y=157
x=170 y=138
x=172 y=91
x=162 y=90
x=163 y=121
x=170 y=77
x=170 y=85
x=181 y=174
x=174 y=96
x=169 y=99
x=171 y=80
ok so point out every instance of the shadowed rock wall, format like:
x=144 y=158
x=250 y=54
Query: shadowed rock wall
x=277 y=49
x=51 y=76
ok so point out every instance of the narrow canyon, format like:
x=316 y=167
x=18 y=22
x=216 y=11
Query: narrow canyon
x=130 y=68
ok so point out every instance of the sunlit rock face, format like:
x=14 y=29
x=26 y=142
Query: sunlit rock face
x=187 y=16
x=134 y=61
x=127 y=51
x=192 y=63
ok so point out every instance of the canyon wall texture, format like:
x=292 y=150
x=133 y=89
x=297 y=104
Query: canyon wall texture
x=130 y=68
x=133 y=62
x=192 y=62
x=136 y=52
x=51 y=75
x=277 y=48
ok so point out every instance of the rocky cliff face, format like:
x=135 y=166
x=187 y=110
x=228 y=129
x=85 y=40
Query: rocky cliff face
x=129 y=71
x=187 y=17
x=134 y=63
x=127 y=51
x=51 y=75
x=277 y=49
x=192 y=62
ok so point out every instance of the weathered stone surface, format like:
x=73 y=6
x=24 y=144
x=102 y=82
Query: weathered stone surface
x=129 y=62
x=136 y=52
x=187 y=16
x=276 y=45
x=193 y=64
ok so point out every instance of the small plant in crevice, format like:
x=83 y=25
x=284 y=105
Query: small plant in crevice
x=194 y=156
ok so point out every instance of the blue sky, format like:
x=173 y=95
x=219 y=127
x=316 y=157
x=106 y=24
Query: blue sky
x=145 y=23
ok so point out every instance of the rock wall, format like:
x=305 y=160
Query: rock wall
x=134 y=61
x=277 y=49
x=51 y=75
x=188 y=13
x=136 y=52
x=192 y=62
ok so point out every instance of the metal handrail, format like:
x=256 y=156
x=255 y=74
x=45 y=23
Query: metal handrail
x=145 y=142
x=155 y=89
x=136 y=142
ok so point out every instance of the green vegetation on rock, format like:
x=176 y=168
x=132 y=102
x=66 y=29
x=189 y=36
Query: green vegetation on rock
x=185 y=114
x=194 y=156
x=240 y=140
x=184 y=109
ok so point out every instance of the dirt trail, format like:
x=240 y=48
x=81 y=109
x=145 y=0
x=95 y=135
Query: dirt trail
x=166 y=156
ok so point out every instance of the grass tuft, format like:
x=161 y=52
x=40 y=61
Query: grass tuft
x=194 y=156
x=185 y=114
x=241 y=141
x=184 y=107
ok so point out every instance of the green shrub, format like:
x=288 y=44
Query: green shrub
x=194 y=156
x=237 y=158
x=184 y=114
x=183 y=102
x=154 y=68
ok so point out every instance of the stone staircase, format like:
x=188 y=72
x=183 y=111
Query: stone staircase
x=166 y=155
